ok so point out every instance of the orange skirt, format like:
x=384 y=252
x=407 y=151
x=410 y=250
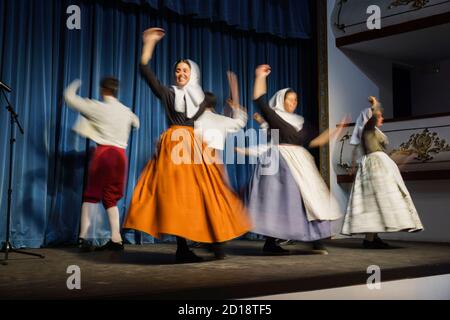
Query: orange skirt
x=189 y=199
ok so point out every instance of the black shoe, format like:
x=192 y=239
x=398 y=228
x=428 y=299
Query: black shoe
x=85 y=245
x=200 y=245
x=381 y=242
x=112 y=246
x=375 y=244
x=275 y=250
x=197 y=245
x=286 y=242
x=318 y=247
x=187 y=257
x=217 y=250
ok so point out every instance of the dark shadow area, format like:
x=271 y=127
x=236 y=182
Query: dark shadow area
x=135 y=255
x=358 y=244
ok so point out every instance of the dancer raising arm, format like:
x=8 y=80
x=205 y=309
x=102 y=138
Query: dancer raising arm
x=379 y=200
x=294 y=203
x=108 y=123
x=177 y=194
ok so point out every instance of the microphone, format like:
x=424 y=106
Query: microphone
x=5 y=87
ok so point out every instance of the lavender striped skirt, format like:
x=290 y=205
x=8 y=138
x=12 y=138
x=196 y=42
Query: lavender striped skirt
x=276 y=207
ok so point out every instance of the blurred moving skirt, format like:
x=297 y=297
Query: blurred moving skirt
x=190 y=199
x=277 y=202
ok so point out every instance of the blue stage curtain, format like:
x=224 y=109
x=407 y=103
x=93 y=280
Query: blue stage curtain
x=39 y=57
x=282 y=18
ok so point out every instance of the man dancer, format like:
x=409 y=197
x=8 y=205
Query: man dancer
x=108 y=123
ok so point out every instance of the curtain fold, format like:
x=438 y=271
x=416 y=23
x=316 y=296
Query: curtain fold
x=40 y=57
x=281 y=18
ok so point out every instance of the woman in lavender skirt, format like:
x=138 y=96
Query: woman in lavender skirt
x=292 y=202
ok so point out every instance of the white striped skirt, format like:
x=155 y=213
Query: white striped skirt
x=379 y=200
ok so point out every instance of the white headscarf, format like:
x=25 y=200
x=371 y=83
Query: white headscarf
x=192 y=92
x=277 y=103
x=363 y=117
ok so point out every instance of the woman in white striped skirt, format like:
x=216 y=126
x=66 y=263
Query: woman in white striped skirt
x=379 y=201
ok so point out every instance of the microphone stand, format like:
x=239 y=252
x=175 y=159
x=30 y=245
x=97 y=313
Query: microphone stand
x=7 y=247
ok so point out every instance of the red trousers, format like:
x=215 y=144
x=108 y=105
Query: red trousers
x=106 y=178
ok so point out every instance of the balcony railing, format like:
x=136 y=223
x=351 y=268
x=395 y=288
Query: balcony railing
x=426 y=138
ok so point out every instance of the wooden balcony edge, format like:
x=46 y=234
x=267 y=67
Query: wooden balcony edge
x=425 y=116
x=391 y=30
x=407 y=176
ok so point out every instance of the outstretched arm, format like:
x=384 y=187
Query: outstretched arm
x=240 y=116
x=259 y=91
x=328 y=134
x=234 y=87
x=150 y=38
x=84 y=106
x=402 y=157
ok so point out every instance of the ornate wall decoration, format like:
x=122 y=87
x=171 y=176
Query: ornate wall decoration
x=338 y=24
x=425 y=144
x=418 y=4
x=342 y=164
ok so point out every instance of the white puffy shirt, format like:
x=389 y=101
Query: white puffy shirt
x=213 y=128
x=106 y=123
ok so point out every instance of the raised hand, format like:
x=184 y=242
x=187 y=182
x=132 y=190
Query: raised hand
x=260 y=86
x=150 y=37
x=153 y=35
x=263 y=70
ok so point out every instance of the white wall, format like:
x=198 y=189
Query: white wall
x=379 y=72
x=431 y=89
x=352 y=77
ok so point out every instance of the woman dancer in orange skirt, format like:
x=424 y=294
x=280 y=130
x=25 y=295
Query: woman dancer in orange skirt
x=182 y=190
